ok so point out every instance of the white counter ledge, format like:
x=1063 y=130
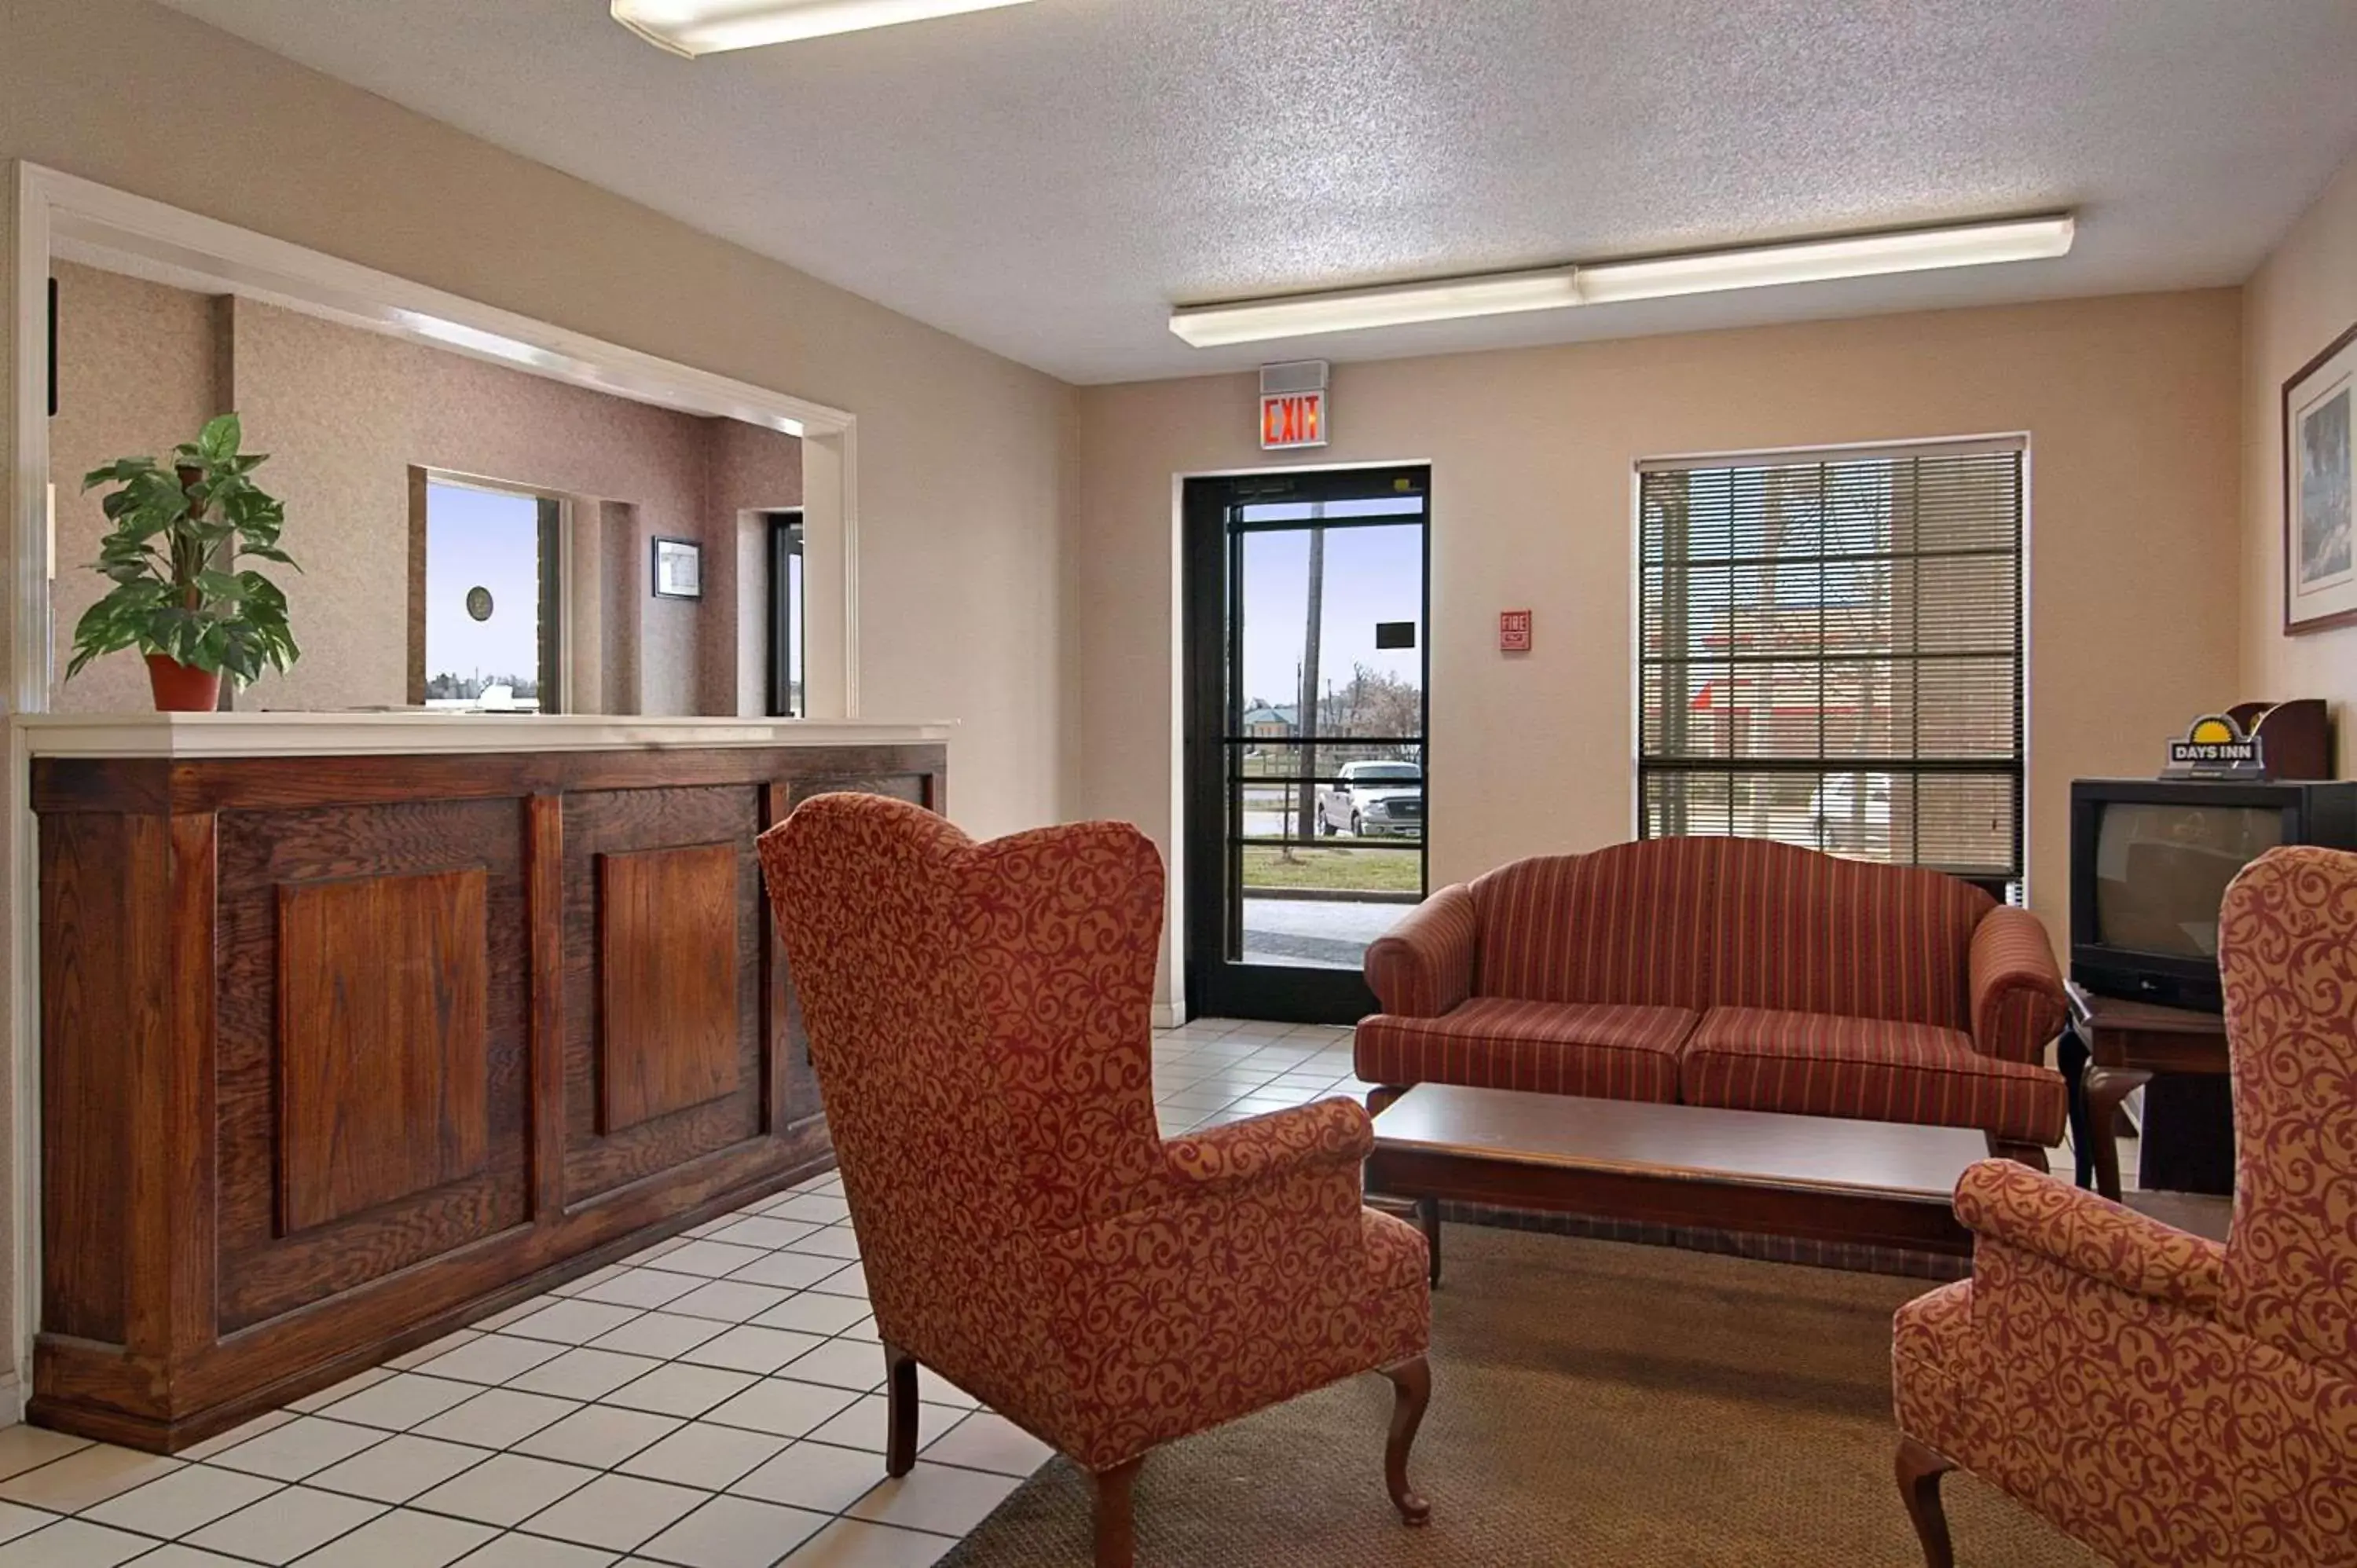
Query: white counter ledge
x=409 y=733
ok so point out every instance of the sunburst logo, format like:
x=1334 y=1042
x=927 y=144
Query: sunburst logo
x=2214 y=730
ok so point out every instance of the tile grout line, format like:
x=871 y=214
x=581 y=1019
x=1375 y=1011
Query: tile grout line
x=1286 y=1060
x=786 y=1443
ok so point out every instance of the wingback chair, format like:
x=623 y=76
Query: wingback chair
x=2162 y=1398
x=979 y=1018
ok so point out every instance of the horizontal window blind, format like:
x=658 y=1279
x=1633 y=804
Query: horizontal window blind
x=1831 y=654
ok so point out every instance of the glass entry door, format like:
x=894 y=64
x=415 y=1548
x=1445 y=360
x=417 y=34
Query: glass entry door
x=1306 y=649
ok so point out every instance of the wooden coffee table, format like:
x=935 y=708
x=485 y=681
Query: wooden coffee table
x=1878 y=1183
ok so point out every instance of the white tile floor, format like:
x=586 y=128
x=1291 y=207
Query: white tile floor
x=710 y=1402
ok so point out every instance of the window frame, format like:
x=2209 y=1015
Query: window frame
x=1648 y=761
x=555 y=523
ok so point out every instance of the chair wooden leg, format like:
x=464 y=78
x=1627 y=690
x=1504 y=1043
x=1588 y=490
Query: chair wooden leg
x=1116 y=1516
x=901 y=1416
x=1920 y=1470
x=1412 y=1391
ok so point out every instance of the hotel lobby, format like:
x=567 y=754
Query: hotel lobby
x=1148 y=782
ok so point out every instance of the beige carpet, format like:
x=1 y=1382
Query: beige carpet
x=1593 y=1404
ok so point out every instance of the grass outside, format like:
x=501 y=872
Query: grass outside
x=1336 y=870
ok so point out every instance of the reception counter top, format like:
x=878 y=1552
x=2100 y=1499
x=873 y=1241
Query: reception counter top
x=411 y=731
x=356 y=1027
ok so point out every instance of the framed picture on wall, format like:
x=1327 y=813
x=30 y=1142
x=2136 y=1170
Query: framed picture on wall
x=678 y=569
x=2319 y=541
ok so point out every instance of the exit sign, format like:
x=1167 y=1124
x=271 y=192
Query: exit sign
x=1292 y=419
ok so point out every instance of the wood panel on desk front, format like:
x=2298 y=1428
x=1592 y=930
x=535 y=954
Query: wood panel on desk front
x=340 y=1053
x=674 y=852
x=288 y=1236
x=382 y=1061
x=669 y=956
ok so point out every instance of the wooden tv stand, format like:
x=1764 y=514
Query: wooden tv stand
x=2128 y=1044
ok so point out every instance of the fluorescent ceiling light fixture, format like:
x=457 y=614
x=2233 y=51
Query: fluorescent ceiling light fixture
x=695 y=27
x=1816 y=261
x=1391 y=305
x=1606 y=283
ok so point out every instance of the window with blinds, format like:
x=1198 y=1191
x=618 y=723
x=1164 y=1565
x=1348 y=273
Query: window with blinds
x=1831 y=654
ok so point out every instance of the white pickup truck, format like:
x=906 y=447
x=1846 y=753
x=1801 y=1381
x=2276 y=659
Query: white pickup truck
x=1373 y=799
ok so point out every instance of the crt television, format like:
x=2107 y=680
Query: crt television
x=2150 y=859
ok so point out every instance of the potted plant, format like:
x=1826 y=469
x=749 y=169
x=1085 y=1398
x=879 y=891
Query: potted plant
x=173 y=552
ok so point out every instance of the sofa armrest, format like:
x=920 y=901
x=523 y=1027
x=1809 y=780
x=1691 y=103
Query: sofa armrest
x=1423 y=966
x=2001 y=1200
x=2016 y=987
x=1336 y=1132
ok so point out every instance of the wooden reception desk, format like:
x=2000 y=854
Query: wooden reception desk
x=356 y=1027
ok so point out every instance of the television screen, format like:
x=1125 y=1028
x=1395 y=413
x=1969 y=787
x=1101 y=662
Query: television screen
x=2161 y=871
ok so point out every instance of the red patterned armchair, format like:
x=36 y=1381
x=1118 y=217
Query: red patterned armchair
x=979 y=1022
x=2167 y=1400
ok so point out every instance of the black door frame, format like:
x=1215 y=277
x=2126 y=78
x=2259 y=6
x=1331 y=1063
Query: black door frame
x=1208 y=554
x=553 y=698
x=788 y=618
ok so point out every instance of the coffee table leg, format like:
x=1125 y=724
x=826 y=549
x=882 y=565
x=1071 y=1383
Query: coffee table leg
x=2106 y=1087
x=1427 y=1215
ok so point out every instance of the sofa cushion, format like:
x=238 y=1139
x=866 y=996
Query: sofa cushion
x=1608 y=1052
x=1804 y=932
x=1632 y=924
x=1729 y=922
x=1816 y=1064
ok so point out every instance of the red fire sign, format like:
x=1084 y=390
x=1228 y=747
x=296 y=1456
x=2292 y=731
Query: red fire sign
x=1513 y=631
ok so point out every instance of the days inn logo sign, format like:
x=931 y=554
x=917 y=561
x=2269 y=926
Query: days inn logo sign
x=2216 y=747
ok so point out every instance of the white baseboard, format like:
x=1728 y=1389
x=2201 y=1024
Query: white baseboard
x=1166 y=1016
x=12 y=1399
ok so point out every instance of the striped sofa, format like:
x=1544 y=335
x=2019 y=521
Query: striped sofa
x=1727 y=972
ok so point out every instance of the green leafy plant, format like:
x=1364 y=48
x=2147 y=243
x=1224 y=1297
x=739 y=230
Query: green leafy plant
x=173 y=552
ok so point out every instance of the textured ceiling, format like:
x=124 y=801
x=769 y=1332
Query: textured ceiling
x=1047 y=180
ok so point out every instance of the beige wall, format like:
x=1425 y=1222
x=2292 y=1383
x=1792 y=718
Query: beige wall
x=139 y=372
x=2130 y=406
x=2303 y=297
x=344 y=413
x=752 y=469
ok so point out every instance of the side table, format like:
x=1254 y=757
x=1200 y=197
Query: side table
x=2123 y=1045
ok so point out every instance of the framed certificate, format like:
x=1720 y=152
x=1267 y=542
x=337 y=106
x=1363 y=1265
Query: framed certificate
x=678 y=569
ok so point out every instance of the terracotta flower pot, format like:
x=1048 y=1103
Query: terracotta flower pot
x=180 y=689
